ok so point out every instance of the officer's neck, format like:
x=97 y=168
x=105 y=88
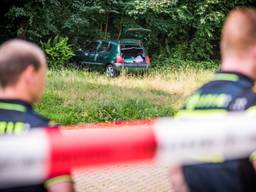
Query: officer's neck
x=12 y=92
x=245 y=66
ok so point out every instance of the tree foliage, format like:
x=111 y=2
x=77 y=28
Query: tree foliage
x=187 y=29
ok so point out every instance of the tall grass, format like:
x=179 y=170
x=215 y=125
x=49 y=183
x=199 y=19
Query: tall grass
x=78 y=96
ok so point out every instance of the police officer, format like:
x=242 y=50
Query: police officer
x=231 y=89
x=22 y=80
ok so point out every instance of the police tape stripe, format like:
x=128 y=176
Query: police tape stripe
x=229 y=136
x=34 y=157
x=23 y=159
x=100 y=146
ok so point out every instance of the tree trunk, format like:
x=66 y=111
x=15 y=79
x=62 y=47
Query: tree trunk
x=106 y=27
x=167 y=47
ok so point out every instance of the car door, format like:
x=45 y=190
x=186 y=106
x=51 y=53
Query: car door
x=104 y=52
x=90 y=54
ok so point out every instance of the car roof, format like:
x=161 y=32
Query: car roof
x=122 y=41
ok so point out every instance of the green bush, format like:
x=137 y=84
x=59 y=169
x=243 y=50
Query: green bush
x=164 y=62
x=58 y=51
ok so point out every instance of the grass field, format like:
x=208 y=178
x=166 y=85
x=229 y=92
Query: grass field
x=77 y=96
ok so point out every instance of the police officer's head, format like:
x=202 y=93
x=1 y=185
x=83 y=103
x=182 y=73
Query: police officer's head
x=238 y=42
x=22 y=71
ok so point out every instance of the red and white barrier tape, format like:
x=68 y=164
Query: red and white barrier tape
x=34 y=157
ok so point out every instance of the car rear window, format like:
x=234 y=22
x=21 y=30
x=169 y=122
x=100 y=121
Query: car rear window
x=127 y=46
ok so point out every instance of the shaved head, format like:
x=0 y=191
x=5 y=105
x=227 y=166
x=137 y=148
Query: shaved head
x=15 y=57
x=23 y=71
x=238 y=42
x=239 y=31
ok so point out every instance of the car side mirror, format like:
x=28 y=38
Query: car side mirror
x=79 y=52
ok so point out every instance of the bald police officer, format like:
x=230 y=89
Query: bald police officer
x=231 y=89
x=23 y=71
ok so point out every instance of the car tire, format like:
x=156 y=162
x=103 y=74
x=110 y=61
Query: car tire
x=110 y=71
x=76 y=63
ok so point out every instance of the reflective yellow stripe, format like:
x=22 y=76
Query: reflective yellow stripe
x=253 y=156
x=192 y=101
x=251 y=109
x=58 y=179
x=2 y=127
x=194 y=113
x=225 y=77
x=10 y=128
x=19 y=127
x=210 y=159
x=12 y=106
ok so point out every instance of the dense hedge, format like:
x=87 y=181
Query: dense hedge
x=187 y=29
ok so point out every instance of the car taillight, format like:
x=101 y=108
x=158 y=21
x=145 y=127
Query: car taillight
x=120 y=60
x=148 y=60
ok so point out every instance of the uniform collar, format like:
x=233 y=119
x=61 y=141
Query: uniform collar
x=15 y=105
x=233 y=76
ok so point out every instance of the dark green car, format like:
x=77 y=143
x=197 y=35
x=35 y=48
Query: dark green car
x=112 y=56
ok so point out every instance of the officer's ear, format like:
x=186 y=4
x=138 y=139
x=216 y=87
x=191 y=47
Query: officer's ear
x=29 y=75
x=253 y=51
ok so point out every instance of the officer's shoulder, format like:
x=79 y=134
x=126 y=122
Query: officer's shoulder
x=251 y=93
x=36 y=119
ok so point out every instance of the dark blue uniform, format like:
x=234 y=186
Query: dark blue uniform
x=226 y=92
x=16 y=117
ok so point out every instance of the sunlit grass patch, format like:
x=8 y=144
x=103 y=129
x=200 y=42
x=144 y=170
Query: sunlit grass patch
x=75 y=96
